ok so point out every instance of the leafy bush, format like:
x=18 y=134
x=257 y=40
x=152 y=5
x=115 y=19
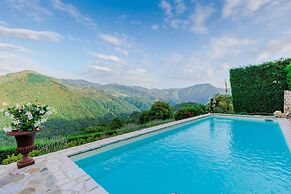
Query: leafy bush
x=116 y=123
x=93 y=129
x=190 y=111
x=259 y=88
x=144 y=117
x=288 y=69
x=159 y=111
x=15 y=158
x=11 y=158
x=220 y=103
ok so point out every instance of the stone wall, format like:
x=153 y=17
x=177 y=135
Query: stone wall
x=287 y=101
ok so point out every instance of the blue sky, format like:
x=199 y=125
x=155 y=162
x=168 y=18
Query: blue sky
x=155 y=44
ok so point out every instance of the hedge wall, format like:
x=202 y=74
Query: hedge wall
x=259 y=88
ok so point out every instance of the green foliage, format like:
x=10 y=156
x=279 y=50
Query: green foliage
x=11 y=158
x=27 y=117
x=15 y=158
x=144 y=117
x=34 y=153
x=259 y=88
x=178 y=106
x=161 y=110
x=116 y=123
x=220 y=103
x=188 y=111
x=94 y=129
x=288 y=69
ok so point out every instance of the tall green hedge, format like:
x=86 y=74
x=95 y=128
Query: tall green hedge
x=259 y=88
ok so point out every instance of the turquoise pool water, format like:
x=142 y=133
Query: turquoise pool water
x=211 y=155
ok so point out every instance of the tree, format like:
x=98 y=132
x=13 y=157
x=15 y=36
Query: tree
x=190 y=111
x=161 y=110
x=116 y=123
x=221 y=103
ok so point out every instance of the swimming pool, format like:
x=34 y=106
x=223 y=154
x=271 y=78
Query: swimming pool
x=209 y=155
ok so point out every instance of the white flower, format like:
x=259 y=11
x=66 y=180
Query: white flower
x=43 y=121
x=41 y=111
x=7 y=114
x=16 y=122
x=17 y=106
x=7 y=129
x=28 y=104
x=29 y=115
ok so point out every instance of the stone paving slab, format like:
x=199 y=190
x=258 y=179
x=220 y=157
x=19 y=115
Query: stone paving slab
x=286 y=130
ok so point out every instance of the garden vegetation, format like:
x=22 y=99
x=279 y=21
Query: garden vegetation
x=260 y=88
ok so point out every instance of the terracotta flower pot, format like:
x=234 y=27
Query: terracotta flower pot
x=25 y=144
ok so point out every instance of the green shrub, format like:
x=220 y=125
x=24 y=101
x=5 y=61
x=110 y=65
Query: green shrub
x=259 y=88
x=190 y=111
x=12 y=158
x=116 y=123
x=159 y=111
x=5 y=151
x=288 y=69
x=94 y=129
x=34 y=153
x=144 y=117
x=220 y=103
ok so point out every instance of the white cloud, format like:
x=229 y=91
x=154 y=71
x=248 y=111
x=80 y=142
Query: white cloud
x=255 y=9
x=74 y=13
x=4 y=47
x=199 y=17
x=174 y=58
x=275 y=49
x=167 y=7
x=2 y=23
x=107 y=58
x=29 y=34
x=100 y=68
x=12 y=62
x=227 y=46
x=111 y=39
x=180 y=6
x=33 y=9
x=193 y=21
x=122 y=51
x=155 y=26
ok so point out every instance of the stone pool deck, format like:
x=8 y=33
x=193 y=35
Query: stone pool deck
x=57 y=173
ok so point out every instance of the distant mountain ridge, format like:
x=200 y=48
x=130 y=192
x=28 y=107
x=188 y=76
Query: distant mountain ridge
x=199 y=93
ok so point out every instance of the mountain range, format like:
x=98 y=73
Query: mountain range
x=80 y=103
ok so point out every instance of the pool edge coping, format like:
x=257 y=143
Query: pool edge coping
x=285 y=127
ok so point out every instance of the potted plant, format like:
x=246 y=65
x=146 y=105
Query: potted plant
x=27 y=120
